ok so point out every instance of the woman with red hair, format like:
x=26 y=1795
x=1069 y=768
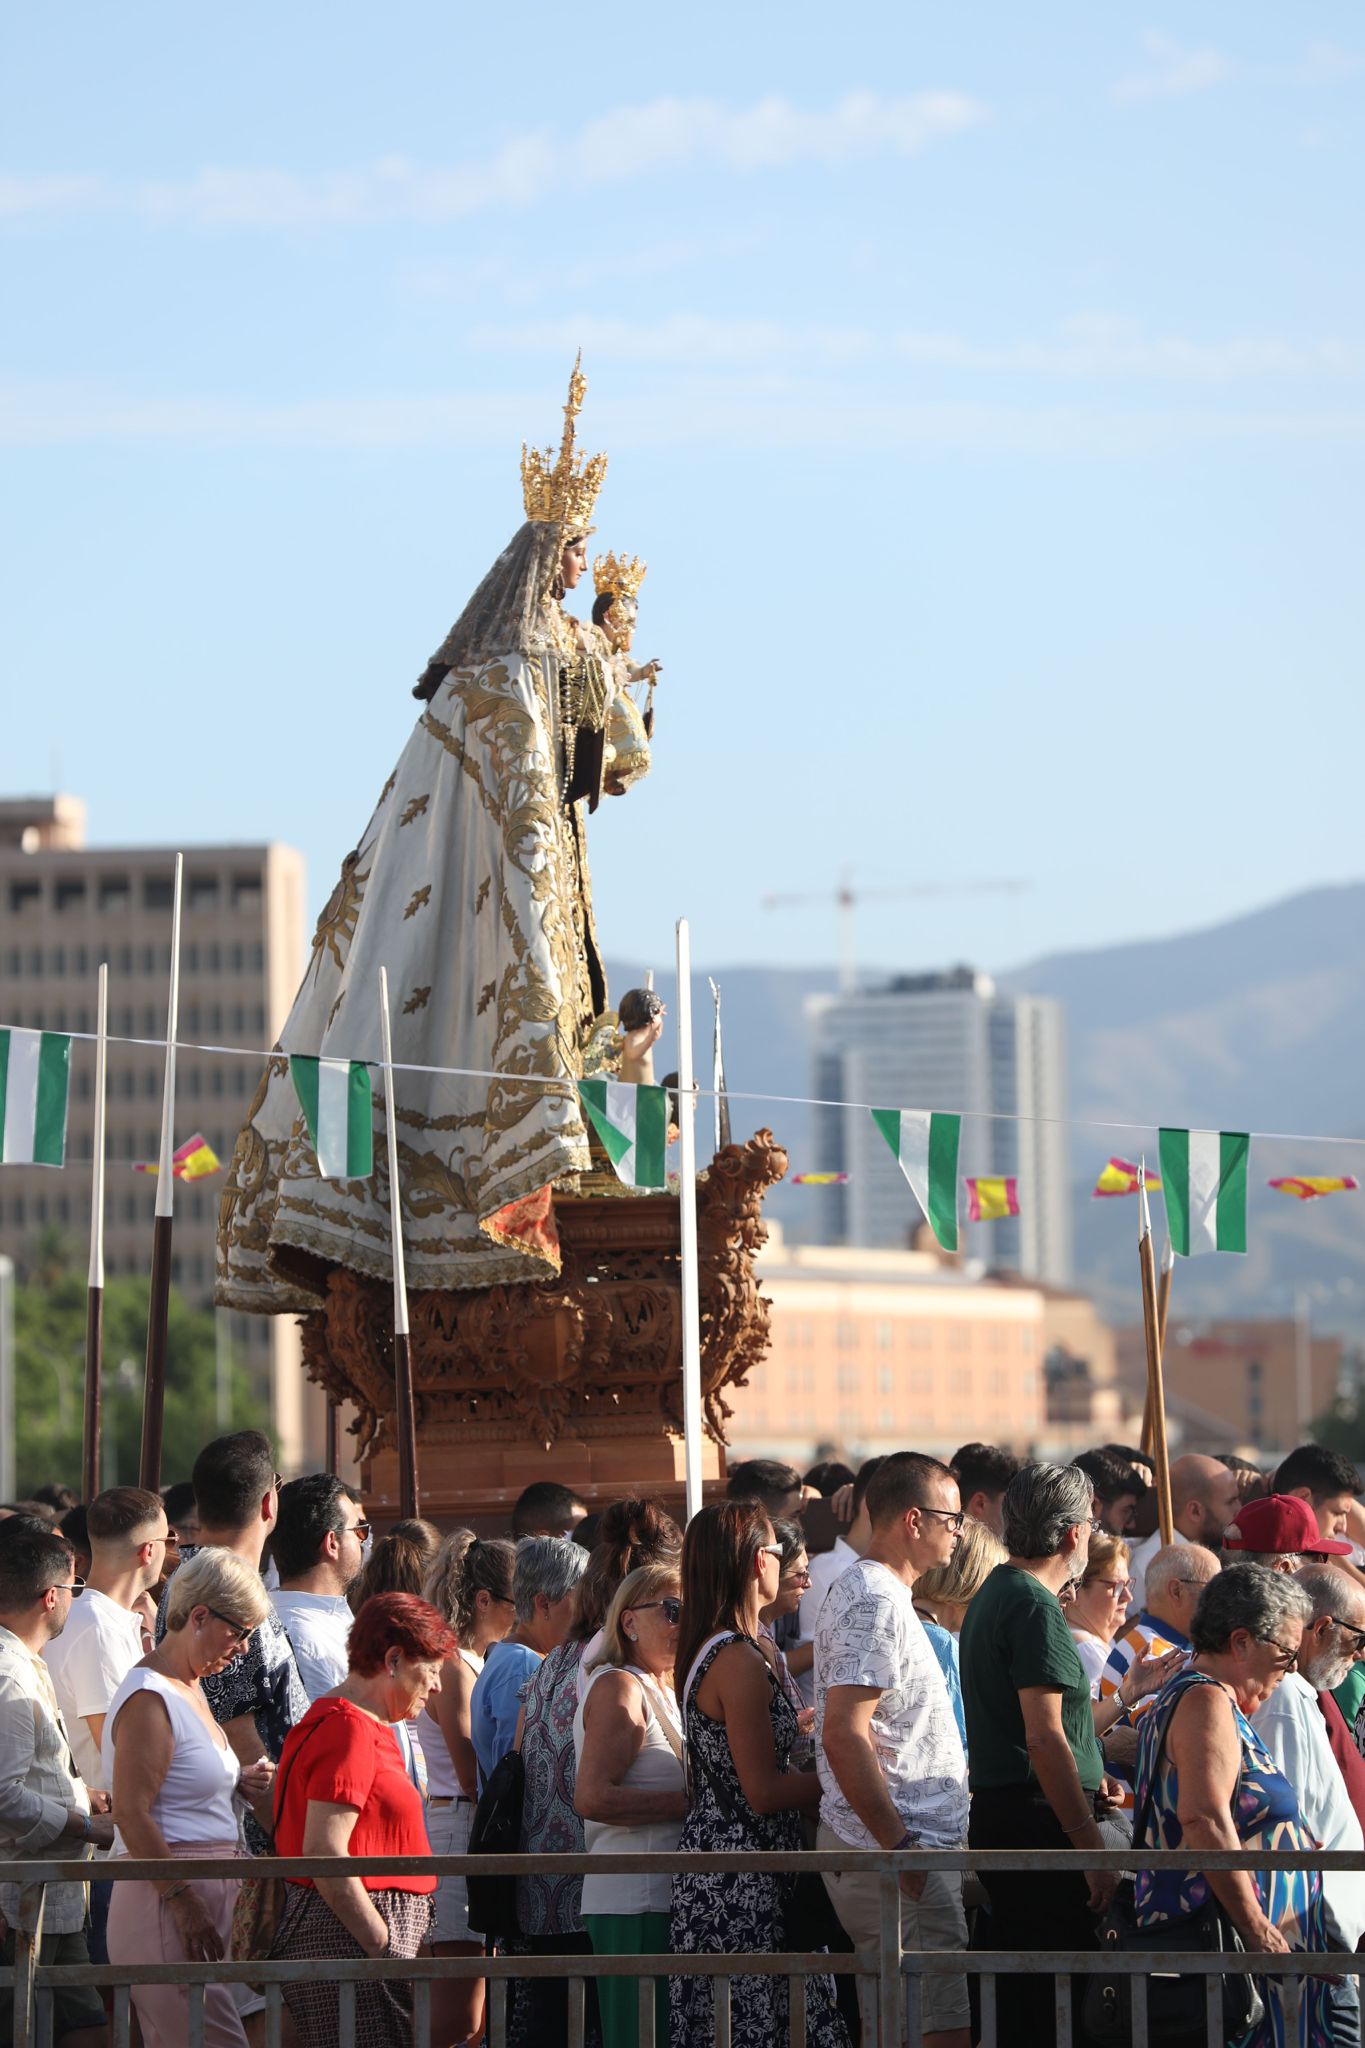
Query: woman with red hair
x=342 y=1790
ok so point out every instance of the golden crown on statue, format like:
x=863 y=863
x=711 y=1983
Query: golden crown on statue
x=562 y=490
x=621 y=575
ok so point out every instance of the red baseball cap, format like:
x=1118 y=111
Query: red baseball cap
x=1281 y=1522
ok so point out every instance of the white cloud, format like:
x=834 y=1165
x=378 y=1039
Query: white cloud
x=1325 y=63
x=1176 y=72
x=613 y=149
x=1093 y=345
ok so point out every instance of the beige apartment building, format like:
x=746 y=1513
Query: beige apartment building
x=65 y=907
x=1250 y=1384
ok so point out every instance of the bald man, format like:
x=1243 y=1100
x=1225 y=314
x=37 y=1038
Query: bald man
x=1204 y=1499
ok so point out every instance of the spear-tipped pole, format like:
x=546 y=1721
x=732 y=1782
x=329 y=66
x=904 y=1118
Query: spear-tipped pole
x=722 y=1100
x=408 y=1488
x=158 y=1309
x=687 y=1212
x=1156 y=1398
x=1163 y=1311
x=94 y=1292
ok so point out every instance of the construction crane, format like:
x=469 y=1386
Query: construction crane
x=845 y=898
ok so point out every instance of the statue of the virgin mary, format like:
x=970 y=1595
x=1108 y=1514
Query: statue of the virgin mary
x=470 y=885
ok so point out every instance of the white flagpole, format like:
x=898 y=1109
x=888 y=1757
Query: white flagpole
x=154 y=1388
x=687 y=1210
x=408 y=1488
x=94 y=1293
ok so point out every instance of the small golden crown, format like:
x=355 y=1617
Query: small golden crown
x=562 y=490
x=621 y=575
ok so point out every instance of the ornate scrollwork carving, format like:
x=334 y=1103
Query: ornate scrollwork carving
x=595 y=1352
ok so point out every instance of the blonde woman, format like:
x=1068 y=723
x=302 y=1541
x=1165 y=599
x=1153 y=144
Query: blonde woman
x=943 y=1595
x=1100 y=1607
x=175 y=1779
x=470 y=1586
x=629 y=1785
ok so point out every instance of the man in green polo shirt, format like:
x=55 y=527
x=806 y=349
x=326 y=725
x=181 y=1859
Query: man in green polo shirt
x=1036 y=1770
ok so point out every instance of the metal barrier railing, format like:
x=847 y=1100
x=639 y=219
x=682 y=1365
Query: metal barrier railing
x=895 y=1973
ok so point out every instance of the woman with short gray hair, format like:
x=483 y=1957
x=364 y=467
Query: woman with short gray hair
x=1036 y=1769
x=1208 y=1782
x=544 y=1579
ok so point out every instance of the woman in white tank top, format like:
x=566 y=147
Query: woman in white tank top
x=175 y=1779
x=470 y=1586
x=630 y=1786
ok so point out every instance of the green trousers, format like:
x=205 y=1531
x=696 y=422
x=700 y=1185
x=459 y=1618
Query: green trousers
x=618 y=1998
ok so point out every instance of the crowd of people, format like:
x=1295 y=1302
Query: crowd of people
x=971 y=1654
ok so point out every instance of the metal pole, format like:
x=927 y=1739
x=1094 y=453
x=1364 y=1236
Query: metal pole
x=1156 y=1394
x=7 y=1418
x=687 y=1215
x=94 y=1293
x=405 y=1402
x=154 y=1385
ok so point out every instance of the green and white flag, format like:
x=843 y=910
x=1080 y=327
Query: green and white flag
x=1204 y=1180
x=925 y=1145
x=35 y=1074
x=334 y=1096
x=632 y=1122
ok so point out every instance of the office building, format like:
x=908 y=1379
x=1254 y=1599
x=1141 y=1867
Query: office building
x=945 y=1042
x=64 y=908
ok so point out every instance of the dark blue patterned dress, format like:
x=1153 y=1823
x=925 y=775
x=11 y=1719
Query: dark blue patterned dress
x=1266 y=1815
x=734 y=1911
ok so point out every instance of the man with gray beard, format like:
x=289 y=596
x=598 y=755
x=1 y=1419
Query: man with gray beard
x=1293 y=1725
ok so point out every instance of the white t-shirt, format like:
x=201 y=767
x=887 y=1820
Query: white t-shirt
x=825 y=1567
x=657 y=1767
x=319 y=1627
x=870 y=1635
x=1093 y=1652
x=195 y=1800
x=89 y=1661
x=1291 y=1726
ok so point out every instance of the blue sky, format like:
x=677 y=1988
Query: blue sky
x=985 y=389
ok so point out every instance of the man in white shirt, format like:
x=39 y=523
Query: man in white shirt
x=102 y=1640
x=1204 y=1499
x=317 y=1547
x=44 y=1807
x=1291 y=1724
x=824 y=1568
x=893 y=1772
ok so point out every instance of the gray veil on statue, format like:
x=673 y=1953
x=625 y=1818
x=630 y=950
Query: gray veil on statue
x=470 y=885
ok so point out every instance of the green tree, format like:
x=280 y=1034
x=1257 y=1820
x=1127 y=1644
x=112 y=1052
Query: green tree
x=49 y=1340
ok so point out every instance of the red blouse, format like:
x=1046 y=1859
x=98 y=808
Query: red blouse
x=341 y=1756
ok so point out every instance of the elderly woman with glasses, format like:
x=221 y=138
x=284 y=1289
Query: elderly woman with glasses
x=175 y=1781
x=630 y=1787
x=1209 y=1782
x=1101 y=1604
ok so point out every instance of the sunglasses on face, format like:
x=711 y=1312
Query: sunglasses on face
x=360 y=1529
x=801 y=1578
x=950 y=1519
x=670 y=1607
x=1349 y=1628
x=239 y=1634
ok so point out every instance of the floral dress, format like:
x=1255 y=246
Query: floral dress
x=731 y=1911
x=1266 y=1815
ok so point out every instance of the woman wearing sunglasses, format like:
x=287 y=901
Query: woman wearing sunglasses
x=629 y=1786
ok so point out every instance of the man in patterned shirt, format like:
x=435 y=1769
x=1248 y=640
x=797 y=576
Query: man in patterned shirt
x=260 y=1695
x=1176 y=1577
x=893 y=1774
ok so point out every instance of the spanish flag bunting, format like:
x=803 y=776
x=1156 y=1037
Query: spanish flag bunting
x=1120 y=1177
x=191 y=1161
x=1306 y=1187
x=819 y=1180
x=989 y=1199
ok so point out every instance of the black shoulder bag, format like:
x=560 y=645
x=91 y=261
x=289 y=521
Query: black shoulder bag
x=1176 y=2007
x=497 y=1832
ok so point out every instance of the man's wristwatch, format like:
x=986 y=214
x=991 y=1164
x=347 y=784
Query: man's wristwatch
x=87 y=1834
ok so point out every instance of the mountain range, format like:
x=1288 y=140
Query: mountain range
x=1253 y=1024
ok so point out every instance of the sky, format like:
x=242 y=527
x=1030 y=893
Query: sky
x=985 y=389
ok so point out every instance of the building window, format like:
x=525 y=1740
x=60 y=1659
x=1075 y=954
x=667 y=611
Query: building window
x=246 y=891
x=884 y=1379
x=203 y=891
x=850 y=1379
x=846 y=1333
x=25 y=896
x=158 y=892
x=959 y=1337
x=115 y=894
